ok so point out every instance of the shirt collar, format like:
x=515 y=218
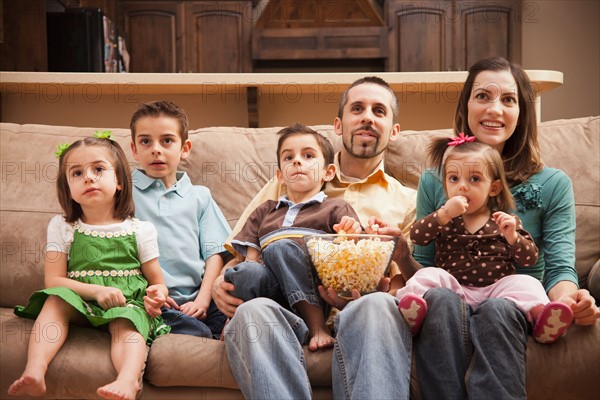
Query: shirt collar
x=377 y=174
x=143 y=182
x=317 y=198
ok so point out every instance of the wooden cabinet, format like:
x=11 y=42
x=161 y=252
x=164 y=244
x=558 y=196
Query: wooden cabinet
x=23 y=36
x=218 y=36
x=450 y=35
x=187 y=36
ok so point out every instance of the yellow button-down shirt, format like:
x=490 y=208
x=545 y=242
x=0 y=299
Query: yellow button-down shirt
x=378 y=195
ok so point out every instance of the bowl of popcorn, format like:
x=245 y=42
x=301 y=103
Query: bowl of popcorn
x=345 y=262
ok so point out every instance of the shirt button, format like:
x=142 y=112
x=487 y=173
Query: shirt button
x=157 y=184
x=352 y=188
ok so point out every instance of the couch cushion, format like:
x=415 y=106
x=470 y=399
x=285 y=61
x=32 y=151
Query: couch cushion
x=84 y=358
x=214 y=370
x=572 y=145
x=29 y=201
x=234 y=163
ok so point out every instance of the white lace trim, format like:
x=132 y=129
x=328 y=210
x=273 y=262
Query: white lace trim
x=114 y=273
x=95 y=233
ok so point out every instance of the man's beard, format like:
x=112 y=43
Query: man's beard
x=365 y=151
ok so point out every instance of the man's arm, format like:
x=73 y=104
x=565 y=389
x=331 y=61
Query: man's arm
x=402 y=255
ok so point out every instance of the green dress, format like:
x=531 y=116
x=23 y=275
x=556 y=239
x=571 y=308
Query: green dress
x=107 y=259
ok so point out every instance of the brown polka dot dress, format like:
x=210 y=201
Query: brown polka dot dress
x=475 y=259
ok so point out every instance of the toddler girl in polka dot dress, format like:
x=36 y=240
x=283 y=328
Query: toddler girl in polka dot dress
x=478 y=241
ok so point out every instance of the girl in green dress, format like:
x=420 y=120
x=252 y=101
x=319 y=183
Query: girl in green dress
x=101 y=268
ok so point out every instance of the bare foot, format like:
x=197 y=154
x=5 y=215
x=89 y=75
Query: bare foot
x=320 y=339
x=119 y=390
x=28 y=385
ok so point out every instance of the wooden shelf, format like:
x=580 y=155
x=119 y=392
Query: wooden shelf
x=263 y=99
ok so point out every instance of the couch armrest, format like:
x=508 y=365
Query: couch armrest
x=593 y=281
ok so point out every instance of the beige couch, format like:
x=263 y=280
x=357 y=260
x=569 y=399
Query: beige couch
x=234 y=163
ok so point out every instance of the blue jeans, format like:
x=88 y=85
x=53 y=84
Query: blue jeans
x=264 y=347
x=482 y=351
x=371 y=356
x=210 y=327
x=372 y=353
x=287 y=272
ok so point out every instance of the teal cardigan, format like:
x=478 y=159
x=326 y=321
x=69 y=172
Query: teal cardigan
x=545 y=205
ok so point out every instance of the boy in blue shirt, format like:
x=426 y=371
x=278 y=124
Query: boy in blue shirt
x=191 y=227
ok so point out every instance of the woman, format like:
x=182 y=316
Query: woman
x=485 y=348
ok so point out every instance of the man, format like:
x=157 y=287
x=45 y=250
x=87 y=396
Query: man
x=270 y=364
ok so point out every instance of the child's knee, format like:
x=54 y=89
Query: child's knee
x=120 y=326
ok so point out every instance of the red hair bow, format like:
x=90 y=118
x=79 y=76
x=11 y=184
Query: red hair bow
x=462 y=138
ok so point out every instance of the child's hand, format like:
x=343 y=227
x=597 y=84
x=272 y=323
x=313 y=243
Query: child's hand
x=193 y=309
x=153 y=301
x=508 y=226
x=347 y=224
x=170 y=303
x=108 y=297
x=456 y=206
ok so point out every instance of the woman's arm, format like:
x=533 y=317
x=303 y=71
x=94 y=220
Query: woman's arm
x=430 y=197
x=560 y=277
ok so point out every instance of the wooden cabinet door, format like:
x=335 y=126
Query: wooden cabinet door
x=23 y=36
x=218 y=36
x=451 y=35
x=420 y=35
x=487 y=29
x=154 y=34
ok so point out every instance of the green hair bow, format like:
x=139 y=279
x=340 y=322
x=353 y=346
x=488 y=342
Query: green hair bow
x=103 y=135
x=60 y=149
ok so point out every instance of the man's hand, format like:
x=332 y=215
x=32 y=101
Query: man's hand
x=402 y=249
x=225 y=301
x=332 y=298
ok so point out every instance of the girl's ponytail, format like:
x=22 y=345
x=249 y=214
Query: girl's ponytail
x=436 y=150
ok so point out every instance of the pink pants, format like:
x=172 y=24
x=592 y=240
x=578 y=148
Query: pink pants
x=523 y=290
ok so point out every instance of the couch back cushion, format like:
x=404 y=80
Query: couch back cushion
x=234 y=163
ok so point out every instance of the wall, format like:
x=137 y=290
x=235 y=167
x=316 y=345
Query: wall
x=564 y=35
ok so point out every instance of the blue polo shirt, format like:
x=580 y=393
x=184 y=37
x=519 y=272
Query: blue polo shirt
x=190 y=226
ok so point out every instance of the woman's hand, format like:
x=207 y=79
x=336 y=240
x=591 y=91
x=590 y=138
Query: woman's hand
x=585 y=311
x=108 y=297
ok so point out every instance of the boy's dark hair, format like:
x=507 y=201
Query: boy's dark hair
x=157 y=109
x=375 y=80
x=300 y=129
x=440 y=153
x=123 y=207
